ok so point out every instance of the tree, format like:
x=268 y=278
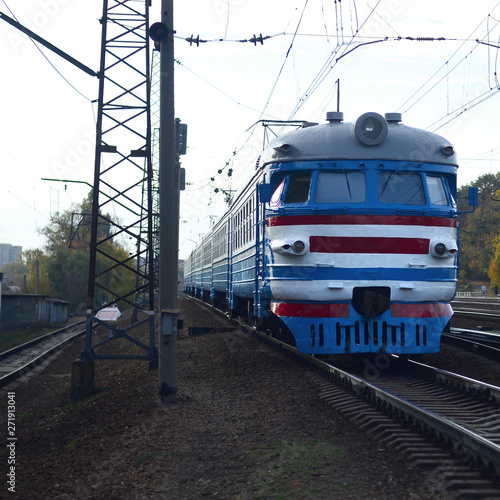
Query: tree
x=15 y=272
x=68 y=271
x=72 y=228
x=68 y=254
x=36 y=262
x=479 y=230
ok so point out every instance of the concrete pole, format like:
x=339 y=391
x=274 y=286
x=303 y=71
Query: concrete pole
x=37 y=276
x=169 y=217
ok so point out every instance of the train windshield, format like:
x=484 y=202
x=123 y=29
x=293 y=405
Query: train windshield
x=340 y=187
x=298 y=187
x=437 y=192
x=404 y=188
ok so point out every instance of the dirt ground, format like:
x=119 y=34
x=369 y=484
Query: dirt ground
x=246 y=423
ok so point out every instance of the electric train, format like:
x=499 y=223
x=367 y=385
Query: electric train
x=346 y=235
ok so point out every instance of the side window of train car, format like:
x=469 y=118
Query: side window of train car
x=403 y=188
x=298 y=188
x=340 y=187
x=437 y=191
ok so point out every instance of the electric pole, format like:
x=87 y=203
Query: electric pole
x=169 y=214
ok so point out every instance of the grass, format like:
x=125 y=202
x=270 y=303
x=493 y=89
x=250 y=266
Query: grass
x=75 y=442
x=294 y=469
x=13 y=338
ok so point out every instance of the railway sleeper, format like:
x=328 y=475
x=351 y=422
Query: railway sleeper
x=431 y=451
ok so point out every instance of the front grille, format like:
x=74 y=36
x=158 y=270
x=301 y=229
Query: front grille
x=362 y=334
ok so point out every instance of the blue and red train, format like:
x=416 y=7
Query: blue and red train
x=346 y=234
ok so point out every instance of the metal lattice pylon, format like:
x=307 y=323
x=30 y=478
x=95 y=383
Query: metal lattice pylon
x=142 y=294
x=121 y=213
x=155 y=156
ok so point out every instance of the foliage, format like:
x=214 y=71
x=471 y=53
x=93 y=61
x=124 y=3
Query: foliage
x=67 y=269
x=66 y=264
x=72 y=228
x=480 y=230
x=37 y=259
x=15 y=272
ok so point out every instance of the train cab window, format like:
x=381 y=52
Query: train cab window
x=340 y=187
x=403 y=188
x=298 y=188
x=437 y=192
x=277 y=194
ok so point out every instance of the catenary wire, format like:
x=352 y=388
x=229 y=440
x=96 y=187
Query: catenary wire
x=47 y=59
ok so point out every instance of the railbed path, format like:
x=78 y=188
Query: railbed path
x=247 y=423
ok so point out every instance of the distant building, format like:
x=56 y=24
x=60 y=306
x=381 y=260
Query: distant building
x=8 y=253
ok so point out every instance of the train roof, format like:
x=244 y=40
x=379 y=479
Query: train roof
x=370 y=137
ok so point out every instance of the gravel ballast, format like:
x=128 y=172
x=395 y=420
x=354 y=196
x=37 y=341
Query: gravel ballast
x=247 y=423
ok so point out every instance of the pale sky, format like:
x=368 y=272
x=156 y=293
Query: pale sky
x=225 y=86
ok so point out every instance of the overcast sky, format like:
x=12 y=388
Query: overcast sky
x=225 y=85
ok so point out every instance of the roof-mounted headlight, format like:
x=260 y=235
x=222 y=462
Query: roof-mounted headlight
x=370 y=129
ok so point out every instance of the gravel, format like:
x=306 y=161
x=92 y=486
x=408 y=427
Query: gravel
x=247 y=423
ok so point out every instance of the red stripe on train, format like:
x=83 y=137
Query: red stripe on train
x=431 y=310
x=322 y=310
x=347 y=244
x=391 y=220
x=318 y=310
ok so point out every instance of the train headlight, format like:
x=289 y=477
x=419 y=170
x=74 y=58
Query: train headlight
x=440 y=249
x=299 y=247
x=443 y=248
x=371 y=129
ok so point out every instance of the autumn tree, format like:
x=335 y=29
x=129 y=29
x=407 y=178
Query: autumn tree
x=67 y=269
x=15 y=272
x=479 y=230
x=68 y=250
x=71 y=228
x=38 y=280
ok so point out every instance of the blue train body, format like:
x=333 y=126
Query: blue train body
x=347 y=233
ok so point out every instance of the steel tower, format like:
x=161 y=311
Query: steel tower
x=122 y=203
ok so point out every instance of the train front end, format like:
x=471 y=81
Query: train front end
x=361 y=242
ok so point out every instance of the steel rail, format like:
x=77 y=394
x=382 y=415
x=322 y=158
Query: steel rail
x=467 y=384
x=476 y=313
x=18 y=372
x=37 y=340
x=474 y=444
x=478 y=343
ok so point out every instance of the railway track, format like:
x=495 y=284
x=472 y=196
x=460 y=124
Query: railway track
x=478 y=342
x=484 y=309
x=443 y=422
x=476 y=313
x=21 y=359
x=440 y=420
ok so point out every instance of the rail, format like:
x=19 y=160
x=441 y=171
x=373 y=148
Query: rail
x=37 y=354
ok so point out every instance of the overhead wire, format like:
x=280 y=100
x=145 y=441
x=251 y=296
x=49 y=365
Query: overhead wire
x=356 y=41
x=328 y=66
x=24 y=202
x=47 y=59
x=462 y=109
x=420 y=89
x=215 y=87
x=284 y=61
x=263 y=111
